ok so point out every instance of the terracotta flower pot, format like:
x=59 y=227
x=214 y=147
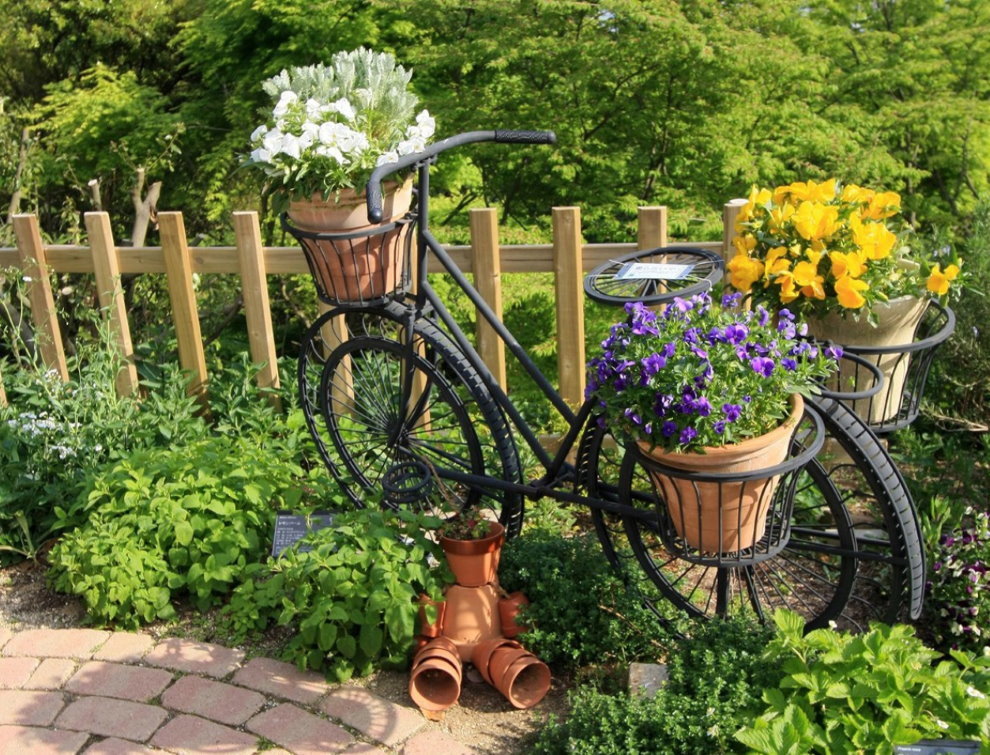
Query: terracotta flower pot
x=503 y=657
x=475 y=562
x=427 y=628
x=508 y=610
x=525 y=682
x=442 y=648
x=729 y=516
x=897 y=323
x=471 y=617
x=352 y=260
x=482 y=653
x=434 y=684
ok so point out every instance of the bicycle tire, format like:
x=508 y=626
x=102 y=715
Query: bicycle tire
x=878 y=576
x=604 y=284
x=381 y=331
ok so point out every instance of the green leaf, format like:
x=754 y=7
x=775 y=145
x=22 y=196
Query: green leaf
x=347 y=646
x=183 y=533
x=370 y=639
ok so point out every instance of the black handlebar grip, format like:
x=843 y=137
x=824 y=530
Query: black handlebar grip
x=526 y=137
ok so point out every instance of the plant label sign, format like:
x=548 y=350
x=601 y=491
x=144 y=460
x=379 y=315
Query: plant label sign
x=291 y=528
x=939 y=747
x=653 y=270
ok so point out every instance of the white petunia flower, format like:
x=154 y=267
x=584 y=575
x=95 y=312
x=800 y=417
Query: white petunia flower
x=974 y=692
x=291 y=146
x=387 y=157
x=261 y=155
x=284 y=102
x=259 y=132
x=344 y=107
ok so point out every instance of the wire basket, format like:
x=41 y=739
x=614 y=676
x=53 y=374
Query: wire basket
x=884 y=385
x=360 y=267
x=734 y=518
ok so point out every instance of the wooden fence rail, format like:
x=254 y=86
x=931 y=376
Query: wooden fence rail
x=567 y=257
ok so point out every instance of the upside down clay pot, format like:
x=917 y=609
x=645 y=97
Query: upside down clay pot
x=525 y=682
x=435 y=680
x=482 y=653
x=471 y=617
x=508 y=611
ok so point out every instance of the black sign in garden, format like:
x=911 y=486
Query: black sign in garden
x=291 y=528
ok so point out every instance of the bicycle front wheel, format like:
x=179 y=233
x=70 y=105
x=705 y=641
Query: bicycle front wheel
x=854 y=554
x=380 y=403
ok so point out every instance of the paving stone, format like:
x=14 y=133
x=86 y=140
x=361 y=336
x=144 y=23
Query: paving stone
x=5 y=634
x=14 y=672
x=114 y=746
x=20 y=740
x=117 y=680
x=434 y=742
x=52 y=673
x=362 y=748
x=56 y=643
x=377 y=719
x=29 y=708
x=299 y=731
x=282 y=680
x=214 y=700
x=195 y=657
x=191 y=734
x=112 y=718
x=125 y=647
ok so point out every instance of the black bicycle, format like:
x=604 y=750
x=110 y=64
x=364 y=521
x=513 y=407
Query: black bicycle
x=397 y=398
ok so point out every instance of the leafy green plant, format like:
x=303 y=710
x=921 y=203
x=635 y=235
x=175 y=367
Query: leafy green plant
x=580 y=612
x=866 y=693
x=352 y=599
x=165 y=524
x=714 y=682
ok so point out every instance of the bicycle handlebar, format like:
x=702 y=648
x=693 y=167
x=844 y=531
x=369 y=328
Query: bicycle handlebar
x=374 y=186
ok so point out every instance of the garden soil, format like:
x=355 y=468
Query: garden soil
x=482 y=720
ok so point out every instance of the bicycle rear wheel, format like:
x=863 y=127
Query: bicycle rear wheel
x=653 y=276
x=371 y=409
x=854 y=555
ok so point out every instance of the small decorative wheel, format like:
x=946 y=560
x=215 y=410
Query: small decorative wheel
x=654 y=275
x=374 y=413
x=854 y=553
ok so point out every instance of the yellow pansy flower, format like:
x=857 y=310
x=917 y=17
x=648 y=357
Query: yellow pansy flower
x=847 y=290
x=814 y=220
x=744 y=271
x=938 y=281
x=856 y=194
x=883 y=205
x=813 y=192
x=788 y=291
x=874 y=240
x=744 y=244
x=812 y=284
x=779 y=216
x=814 y=254
x=852 y=264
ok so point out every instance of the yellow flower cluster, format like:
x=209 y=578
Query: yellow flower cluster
x=815 y=244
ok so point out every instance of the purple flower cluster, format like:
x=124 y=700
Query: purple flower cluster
x=959 y=588
x=695 y=374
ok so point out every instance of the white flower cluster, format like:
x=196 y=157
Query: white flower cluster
x=36 y=425
x=314 y=129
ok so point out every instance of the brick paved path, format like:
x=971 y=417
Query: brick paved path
x=109 y=693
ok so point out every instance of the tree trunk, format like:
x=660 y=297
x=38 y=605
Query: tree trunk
x=145 y=207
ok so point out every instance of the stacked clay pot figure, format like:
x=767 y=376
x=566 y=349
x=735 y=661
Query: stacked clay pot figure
x=476 y=623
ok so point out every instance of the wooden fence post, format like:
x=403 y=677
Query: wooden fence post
x=257 y=308
x=568 y=277
x=652 y=229
x=729 y=214
x=3 y=393
x=106 y=267
x=34 y=268
x=185 y=314
x=487 y=265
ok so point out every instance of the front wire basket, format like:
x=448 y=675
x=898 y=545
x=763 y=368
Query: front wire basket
x=751 y=518
x=891 y=403
x=362 y=267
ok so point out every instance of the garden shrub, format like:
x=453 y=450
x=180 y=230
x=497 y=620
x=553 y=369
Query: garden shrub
x=187 y=521
x=714 y=683
x=869 y=692
x=580 y=612
x=959 y=589
x=351 y=600
x=53 y=433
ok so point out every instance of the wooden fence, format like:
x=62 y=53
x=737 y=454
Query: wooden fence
x=567 y=257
